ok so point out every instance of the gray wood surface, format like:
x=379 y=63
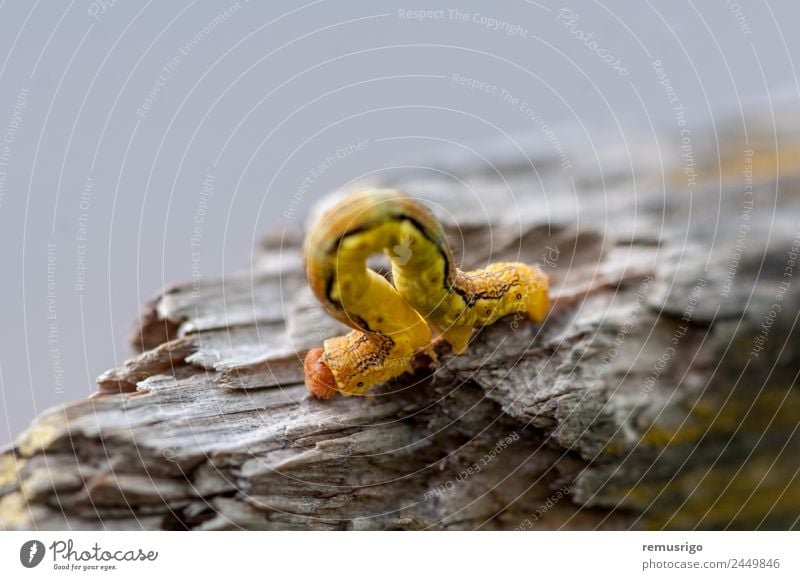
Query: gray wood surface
x=646 y=405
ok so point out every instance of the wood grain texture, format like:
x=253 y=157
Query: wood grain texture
x=572 y=424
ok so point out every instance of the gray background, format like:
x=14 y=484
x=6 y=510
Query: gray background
x=265 y=95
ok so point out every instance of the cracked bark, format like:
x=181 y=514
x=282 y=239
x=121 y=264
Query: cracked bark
x=571 y=424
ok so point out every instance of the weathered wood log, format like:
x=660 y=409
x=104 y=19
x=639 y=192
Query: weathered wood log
x=669 y=401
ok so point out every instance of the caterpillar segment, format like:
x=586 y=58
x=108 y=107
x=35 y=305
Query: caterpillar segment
x=394 y=321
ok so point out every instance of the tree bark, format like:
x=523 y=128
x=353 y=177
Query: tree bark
x=667 y=401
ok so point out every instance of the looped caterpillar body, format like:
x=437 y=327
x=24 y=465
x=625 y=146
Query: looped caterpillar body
x=393 y=323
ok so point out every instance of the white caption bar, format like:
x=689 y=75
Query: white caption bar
x=354 y=555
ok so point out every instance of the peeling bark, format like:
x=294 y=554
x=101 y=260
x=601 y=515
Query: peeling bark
x=574 y=424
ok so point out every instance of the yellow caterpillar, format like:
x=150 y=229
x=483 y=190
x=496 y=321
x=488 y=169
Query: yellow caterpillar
x=393 y=323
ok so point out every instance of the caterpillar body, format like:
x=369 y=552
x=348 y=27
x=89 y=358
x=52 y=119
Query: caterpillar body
x=393 y=322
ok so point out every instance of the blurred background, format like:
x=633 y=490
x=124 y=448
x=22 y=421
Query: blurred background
x=147 y=143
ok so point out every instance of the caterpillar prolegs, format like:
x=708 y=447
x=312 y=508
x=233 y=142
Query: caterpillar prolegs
x=394 y=322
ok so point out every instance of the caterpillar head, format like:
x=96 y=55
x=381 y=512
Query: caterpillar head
x=319 y=378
